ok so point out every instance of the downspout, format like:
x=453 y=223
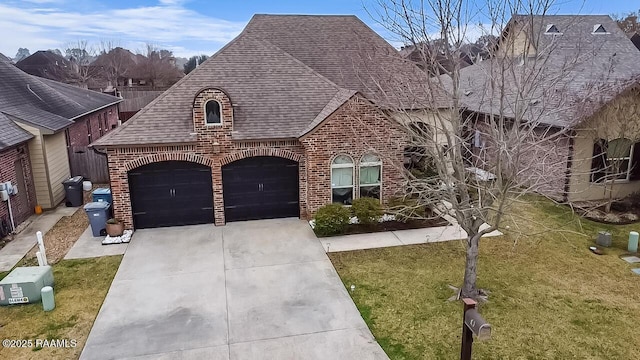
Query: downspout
x=13 y=225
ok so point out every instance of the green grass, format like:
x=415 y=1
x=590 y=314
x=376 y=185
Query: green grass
x=80 y=288
x=551 y=298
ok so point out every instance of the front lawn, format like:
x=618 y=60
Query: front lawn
x=551 y=298
x=80 y=288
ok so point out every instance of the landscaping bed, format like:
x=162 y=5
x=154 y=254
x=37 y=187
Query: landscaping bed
x=623 y=211
x=550 y=297
x=80 y=288
x=394 y=225
x=367 y=215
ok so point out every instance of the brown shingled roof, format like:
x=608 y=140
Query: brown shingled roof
x=282 y=73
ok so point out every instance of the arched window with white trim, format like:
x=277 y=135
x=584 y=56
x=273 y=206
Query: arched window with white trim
x=212 y=113
x=370 y=176
x=342 y=180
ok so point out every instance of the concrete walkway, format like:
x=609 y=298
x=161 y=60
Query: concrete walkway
x=397 y=238
x=15 y=250
x=88 y=246
x=248 y=290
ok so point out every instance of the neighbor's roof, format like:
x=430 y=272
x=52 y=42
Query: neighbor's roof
x=570 y=77
x=5 y=58
x=11 y=134
x=46 y=103
x=282 y=74
x=46 y=64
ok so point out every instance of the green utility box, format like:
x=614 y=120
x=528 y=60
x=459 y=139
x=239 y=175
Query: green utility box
x=23 y=284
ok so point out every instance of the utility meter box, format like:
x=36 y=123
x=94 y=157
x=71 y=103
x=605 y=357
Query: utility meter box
x=23 y=284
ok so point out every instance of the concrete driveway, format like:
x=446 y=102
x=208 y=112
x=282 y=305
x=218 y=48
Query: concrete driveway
x=249 y=290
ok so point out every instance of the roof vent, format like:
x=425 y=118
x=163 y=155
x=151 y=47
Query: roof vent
x=552 y=29
x=599 y=29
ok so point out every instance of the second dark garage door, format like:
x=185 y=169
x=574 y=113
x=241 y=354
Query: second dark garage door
x=261 y=187
x=171 y=193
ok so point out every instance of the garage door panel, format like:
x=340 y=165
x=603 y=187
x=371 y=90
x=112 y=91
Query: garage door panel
x=171 y=193
x=260 y=188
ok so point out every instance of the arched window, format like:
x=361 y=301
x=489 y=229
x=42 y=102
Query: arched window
x=370 y=176
x=342 y=180
x=213 y=115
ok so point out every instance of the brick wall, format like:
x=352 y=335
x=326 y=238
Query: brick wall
x=22 y=204
x=356 y=128
x=78 y=133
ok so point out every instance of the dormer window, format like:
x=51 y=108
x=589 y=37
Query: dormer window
x=599 y=29
x=213 y=115
x=552 y=30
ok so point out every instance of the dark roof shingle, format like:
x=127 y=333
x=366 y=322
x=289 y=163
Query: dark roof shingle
x=46 y=103
x=11 y=134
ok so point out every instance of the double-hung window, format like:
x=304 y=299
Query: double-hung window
x=342 y=180
x=370 y=176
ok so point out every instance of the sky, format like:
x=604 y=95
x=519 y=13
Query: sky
x=186 y=27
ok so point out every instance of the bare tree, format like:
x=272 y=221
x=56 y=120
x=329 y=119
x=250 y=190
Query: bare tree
x=159 y=66
x=629 y=22
x=81 y=54
x=115 y=62
x=484 y=136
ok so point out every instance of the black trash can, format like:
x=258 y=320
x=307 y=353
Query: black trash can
x=98 y=213
x=73 y=191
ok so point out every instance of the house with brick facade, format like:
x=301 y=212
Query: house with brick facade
x=39 y=120
x=289 y=116
x=587 y=75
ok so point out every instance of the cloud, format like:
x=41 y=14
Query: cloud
x=168 y=24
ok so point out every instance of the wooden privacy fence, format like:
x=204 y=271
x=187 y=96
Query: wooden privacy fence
x=89 y=164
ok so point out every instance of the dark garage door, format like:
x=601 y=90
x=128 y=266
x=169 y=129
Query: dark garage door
x=261 y=187
x=171 y=193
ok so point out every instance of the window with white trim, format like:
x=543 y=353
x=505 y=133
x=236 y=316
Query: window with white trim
x=370 y=176
x=619 y=154
x=212 y=113
x=342 y=180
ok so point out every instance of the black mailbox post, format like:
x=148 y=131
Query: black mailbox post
x=473 y=324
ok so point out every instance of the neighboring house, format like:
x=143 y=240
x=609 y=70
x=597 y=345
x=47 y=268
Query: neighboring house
x=433 y=60
x=123 y=69
x=588 y=84
x=15 y=166
x=39 y=120
x=48 y=65
x=117 y=68
x=284 y=119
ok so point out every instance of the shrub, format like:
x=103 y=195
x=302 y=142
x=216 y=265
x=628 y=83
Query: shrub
x=331 y=220
x=405 y=209
x=367 y=210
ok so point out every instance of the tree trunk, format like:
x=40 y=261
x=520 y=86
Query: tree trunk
x=469 y=289
x=607 y=207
